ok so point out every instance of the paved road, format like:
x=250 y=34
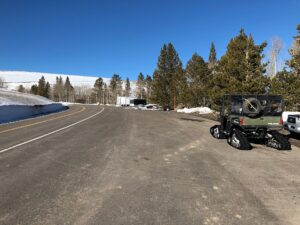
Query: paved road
x=140 y=167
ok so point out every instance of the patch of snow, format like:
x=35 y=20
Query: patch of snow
x=15 y=78
x=74 y=103
x=11 y=113
x=200 y=110
x=9 y=97
x=16 y=106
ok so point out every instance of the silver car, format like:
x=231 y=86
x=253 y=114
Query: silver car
x=293 y=123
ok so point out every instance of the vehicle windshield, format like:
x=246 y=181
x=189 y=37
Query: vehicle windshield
x=271 y=105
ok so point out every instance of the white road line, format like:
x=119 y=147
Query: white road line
x=53 y=132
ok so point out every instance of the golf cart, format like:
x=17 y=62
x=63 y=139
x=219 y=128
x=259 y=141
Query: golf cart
x=251 y=117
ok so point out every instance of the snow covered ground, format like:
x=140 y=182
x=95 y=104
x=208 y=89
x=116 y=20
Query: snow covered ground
x=15 y=78
x=8 y=97
x=200 y=110
x=18 y=106
x=27 y=79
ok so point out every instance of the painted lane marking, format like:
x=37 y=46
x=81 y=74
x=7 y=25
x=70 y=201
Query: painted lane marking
x=44 y=121
x=53 y=132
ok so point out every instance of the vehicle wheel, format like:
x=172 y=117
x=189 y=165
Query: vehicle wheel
x=278 y=141
x=216 y=132
x=238 y=140
x=251 y=107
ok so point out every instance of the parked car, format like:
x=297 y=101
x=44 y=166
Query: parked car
x=293 y=123
x=152 y=107
x=141 y=107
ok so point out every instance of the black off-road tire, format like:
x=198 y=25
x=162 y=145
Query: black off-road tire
x=247 y=103
x=218 y=134
x=239 y=140
x=282 y=141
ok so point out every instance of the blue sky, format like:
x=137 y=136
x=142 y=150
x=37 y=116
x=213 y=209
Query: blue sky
x=125 y=36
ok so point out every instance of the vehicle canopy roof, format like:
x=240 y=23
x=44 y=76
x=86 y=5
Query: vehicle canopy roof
x=241 y=96
x=271 y=105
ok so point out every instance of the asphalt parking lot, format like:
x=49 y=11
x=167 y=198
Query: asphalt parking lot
x=141 y=167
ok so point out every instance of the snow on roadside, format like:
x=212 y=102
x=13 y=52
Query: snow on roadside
x=75 y=103
x=9 y=97
x=200 y=110
x=16 y=106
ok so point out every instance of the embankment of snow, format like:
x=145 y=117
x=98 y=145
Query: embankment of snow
x=200 y=110
x=11 y=113
x=9 y=97
x=18 y=106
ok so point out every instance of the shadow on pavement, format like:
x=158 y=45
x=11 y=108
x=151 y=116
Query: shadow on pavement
x=194 y=120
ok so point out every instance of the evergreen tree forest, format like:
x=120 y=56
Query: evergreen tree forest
x=61 y=91
x=127 y=88
x=287 y=82
x=242 y=69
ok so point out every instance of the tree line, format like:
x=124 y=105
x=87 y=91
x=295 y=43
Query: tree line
x=61 y=90
x=240 y=70
x=101 y=92
x=64 y=91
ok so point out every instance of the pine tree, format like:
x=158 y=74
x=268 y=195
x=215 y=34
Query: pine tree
x=198 y=75
x=21 y=88
x=56 y=91
x=287 y=84
x=41 y=86
x=106 y=94
x=241 y=69
x=68 y=88
x=47 y=90
x=98 y=90
x=212 y=59
x=168 y=78
x=34 y=89
x=294 y=62
x=115 y=87
x=181 y=95
x=140 y=87
x=148 y=86
x=127 y=87
x=61 y=89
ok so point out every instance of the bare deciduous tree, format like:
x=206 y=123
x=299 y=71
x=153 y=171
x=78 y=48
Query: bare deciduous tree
x=83 y=93
x=274 y=51
x=295 y=54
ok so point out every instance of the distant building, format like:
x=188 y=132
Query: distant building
x=130 y=101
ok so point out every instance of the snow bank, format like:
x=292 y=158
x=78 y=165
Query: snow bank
x=200 y=110
x=9 y=97
x=18 y=106
x=10 y=113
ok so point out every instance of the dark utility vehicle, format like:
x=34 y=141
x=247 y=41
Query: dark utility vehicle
x=251 y=117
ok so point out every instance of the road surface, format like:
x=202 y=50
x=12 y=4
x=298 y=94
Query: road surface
x=107 y=165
